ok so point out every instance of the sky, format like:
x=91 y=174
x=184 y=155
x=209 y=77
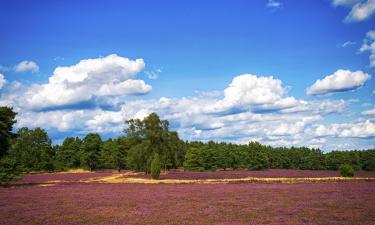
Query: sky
x=284 y=73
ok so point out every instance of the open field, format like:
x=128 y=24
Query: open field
x=73 y=201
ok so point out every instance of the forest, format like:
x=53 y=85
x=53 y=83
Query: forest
x=149 y=142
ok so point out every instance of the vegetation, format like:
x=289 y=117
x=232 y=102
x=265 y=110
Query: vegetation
x=8 y=165
x=155 y=166
x=346 y=170
x=149 y=146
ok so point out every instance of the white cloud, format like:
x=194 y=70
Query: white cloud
x=274 y=4
x=89 y=79
x=252 y=107
x=153 y=74
x=341 y=80
x=2 y=81
x=25 y=66
x=257 y=93
x=369 y=45
x=359 y=129
x=370 y=112
x=361 y=11
x=347 y=43
x=344 y=2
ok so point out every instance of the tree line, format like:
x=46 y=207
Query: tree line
x=148 y=145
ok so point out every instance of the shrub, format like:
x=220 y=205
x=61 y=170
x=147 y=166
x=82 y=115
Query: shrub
x=346 y=170
x=155 y=167
x=8 y=171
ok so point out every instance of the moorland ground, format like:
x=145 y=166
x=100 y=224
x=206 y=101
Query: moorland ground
x=71 y=198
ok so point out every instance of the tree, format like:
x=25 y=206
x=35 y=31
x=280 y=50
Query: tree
x=194 y=159
x=68 y=154
x=90 y=150
x=151 y=135
x=155 y=166
x=112 y=154
x=346 y=170
x=8 y=166
x=7 y=120
x=32 y=149
x=137 y=158
x=8 y=170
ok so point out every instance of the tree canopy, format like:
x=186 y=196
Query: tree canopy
x=148 y=145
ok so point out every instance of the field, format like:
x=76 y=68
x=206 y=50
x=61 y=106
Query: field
x=109 y=197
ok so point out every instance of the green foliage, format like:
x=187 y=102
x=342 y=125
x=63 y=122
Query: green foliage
x=7 y=119
x=90 y=150
x=346 y=170
x=33 y=151
x=8 y=170
x=68 y=154
x=367 y=159
x=149 y=136
x=113 y=153
x=194 y=159
x=155 y=167
x=137 y=158
x=8 y=166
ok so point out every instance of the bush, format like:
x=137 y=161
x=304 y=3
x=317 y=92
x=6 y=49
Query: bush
x=155 y=167
x=346 y=170
x=8 y=171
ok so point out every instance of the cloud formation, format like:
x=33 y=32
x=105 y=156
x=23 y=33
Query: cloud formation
x=347 y=44
x=88 y=80
x=274 y=4
x=360 y=9
x=2 y=81
x=26 y=66
x=90 y=96
x=340 y=81
x=368 y=45
x=370 y=112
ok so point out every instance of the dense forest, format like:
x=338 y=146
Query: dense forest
x=149 y=142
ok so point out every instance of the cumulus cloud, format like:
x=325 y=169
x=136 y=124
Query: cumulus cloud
x=89 y=79
x=359 y=129
x=340 y=81
x=2 y=81
x=25 y=66
x=256 y=93
x=369 y=46
x=251 y=107
x=274 y=4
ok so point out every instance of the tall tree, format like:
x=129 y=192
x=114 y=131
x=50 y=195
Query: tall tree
x=153 y=136
x=32 y=149
x=68 y=154
x=7 y=120
x=90 y=150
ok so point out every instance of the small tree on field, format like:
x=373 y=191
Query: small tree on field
x=346 y=170
x=155 y=167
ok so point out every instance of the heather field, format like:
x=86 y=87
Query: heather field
x=76 y=198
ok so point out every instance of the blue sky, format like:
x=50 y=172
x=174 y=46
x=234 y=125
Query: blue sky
x=195 y=55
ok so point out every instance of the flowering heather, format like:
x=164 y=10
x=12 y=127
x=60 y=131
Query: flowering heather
x=62 y=177
x=274 y=203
